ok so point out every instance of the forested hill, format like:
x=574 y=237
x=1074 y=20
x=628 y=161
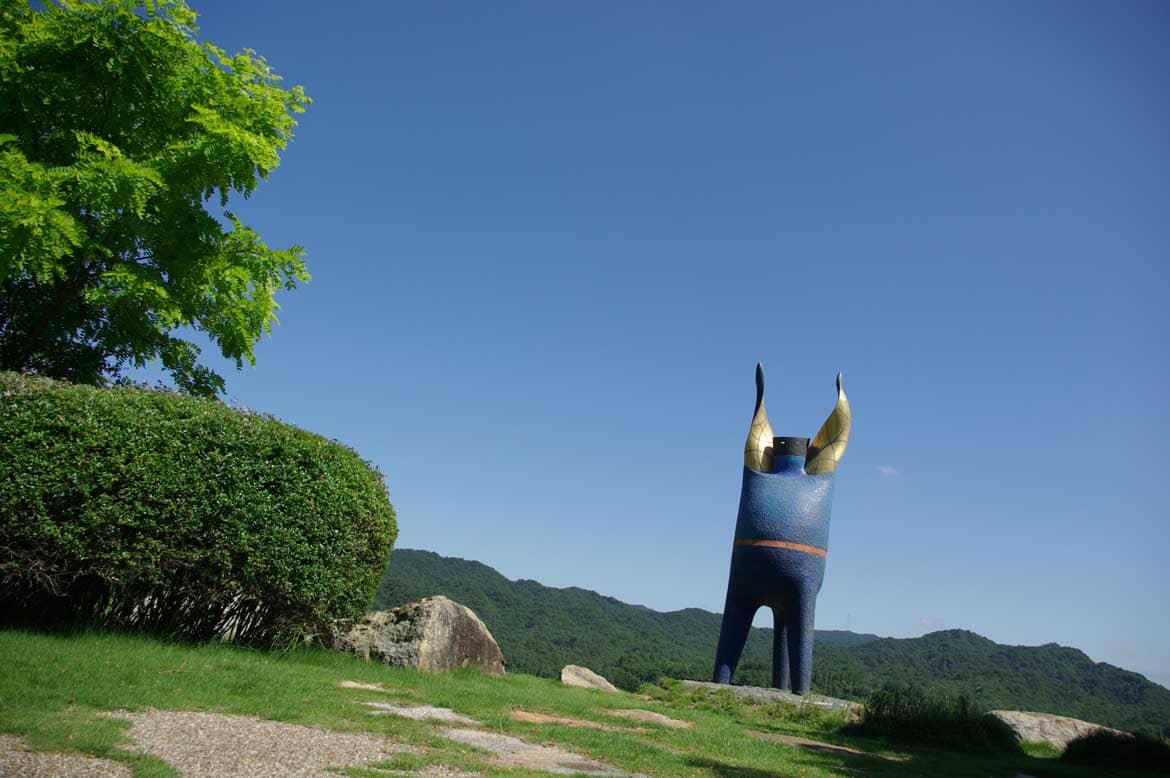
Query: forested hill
x=541 y=629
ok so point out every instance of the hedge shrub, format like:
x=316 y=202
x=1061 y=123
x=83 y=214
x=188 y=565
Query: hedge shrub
x=1133 y=751
x=911 y=714
x=144 y=508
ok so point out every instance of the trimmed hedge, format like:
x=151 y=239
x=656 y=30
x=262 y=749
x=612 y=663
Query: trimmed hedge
x=145 y=508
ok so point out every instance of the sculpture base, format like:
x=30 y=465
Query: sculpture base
x=777 y=695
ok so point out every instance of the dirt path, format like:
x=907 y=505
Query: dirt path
x=532 y=717
x=214 y=745
x=510 y=751
x=16 y=761
x=650 y=717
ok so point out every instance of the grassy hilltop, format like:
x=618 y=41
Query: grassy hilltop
x=541 y=629
x=55 y=690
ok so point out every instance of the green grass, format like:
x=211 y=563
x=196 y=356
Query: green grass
x=53 y=687
x=1042 y=749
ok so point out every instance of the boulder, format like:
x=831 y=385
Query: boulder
x=575 y=675
x=434 y=634
x=1048 y=727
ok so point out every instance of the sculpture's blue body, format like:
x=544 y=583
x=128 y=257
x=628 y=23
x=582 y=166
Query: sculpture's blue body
x=777 y=561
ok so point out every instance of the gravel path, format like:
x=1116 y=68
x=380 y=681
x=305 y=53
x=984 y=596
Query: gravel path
x=15 y=762
x=212 y=745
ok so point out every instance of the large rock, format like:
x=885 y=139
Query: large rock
x=1048 y=727
x=575 y=675
x=434 y=634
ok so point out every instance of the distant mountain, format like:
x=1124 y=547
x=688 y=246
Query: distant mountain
x=541 y=629
x=1049 y=678
x=842 y=638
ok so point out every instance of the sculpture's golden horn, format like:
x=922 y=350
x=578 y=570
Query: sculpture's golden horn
x=828 y=446
x=757 y=452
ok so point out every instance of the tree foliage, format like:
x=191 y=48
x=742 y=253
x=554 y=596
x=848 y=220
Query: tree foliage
x=120 y=133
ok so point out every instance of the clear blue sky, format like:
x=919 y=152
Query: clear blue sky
x=550 y=241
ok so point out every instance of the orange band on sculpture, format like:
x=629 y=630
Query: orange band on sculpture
x=784 y=544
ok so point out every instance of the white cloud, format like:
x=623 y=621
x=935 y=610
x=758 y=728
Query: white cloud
x=888 y=471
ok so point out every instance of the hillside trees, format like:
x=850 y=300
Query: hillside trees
x=541 y=629
x=119 y=132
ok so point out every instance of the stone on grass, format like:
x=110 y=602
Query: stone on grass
x=575 y=675
x=434 y=634
x=369 y=687
x=420 y=713
x=1048 y=727
x=514 y=752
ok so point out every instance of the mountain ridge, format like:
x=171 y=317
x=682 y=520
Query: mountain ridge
x=540 y=629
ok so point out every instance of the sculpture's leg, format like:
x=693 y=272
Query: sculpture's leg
x=800 y=615
x=780 y=676
x=737 y=622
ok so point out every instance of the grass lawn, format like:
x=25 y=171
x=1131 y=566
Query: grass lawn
x=53 y=688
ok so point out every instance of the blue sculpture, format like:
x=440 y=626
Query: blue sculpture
x=781 y=541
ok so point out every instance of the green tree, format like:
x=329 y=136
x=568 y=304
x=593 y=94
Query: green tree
x=118 y=131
